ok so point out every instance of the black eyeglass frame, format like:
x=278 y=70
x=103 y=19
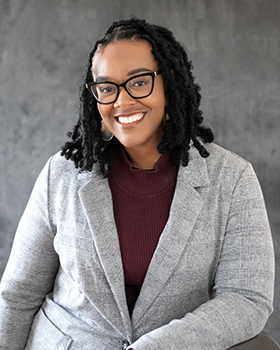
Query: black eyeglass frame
x=152 y=74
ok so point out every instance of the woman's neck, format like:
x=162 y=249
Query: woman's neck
x=143 y=158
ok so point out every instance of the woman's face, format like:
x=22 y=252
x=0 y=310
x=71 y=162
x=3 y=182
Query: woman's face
x=116 y=63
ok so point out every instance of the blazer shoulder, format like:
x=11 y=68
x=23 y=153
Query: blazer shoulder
x=61 y=174
x=222 y=162
x=219 y=156
x=59 y=164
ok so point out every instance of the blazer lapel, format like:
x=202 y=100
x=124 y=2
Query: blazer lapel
x=96 y=199
x=186 y=206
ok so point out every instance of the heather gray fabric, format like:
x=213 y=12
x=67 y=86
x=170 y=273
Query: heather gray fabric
x=209 y=285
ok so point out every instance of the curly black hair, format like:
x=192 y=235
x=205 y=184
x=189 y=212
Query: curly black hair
x=182 y=94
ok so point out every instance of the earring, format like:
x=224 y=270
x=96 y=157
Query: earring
x=165 y=119
x=106 y=134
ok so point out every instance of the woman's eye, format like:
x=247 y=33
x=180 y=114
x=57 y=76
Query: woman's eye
x=139 y=83
x=107 y=89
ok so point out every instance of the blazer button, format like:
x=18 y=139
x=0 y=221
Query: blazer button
x=124 y=344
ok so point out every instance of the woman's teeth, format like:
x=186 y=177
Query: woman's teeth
x=131 y=119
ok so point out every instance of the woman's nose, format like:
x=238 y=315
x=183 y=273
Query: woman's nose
x=124 y=100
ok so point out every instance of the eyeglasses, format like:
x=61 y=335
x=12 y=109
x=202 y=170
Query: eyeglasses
x=139 y=86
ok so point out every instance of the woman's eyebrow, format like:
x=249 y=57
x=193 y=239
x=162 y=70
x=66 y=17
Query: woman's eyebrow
x=102 y=78
x=138 y=70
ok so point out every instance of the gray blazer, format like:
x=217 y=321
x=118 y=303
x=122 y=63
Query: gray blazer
x=209 y=285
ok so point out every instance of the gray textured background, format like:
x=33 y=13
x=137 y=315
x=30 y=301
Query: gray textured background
x=234 y=45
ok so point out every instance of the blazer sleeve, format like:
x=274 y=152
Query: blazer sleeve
x=31 y=269
x=244 y=282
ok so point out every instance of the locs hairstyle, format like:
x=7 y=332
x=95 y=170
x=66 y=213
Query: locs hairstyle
x=184 y=123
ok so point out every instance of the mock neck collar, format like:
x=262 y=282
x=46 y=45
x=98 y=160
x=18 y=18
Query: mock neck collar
x=140 y=181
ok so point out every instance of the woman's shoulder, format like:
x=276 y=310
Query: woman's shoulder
x=59 y=164
x=58 y=169
x=222 y=162
x=219 y=156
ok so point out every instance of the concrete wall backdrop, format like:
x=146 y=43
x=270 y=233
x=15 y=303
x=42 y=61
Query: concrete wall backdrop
x=234 y=45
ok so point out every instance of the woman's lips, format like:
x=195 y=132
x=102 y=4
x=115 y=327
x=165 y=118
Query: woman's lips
x=130 y=120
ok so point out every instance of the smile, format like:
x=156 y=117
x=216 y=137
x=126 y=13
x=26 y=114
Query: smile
x=131 y=119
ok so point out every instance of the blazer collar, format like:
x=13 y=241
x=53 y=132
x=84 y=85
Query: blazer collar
x=96 y=199
x=187 y=203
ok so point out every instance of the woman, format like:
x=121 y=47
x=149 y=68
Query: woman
x=150 y=236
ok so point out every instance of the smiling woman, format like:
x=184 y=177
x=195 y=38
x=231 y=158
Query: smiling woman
x=136 y=121
x=151 y=236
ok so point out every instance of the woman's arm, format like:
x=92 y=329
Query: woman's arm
x=244 y=282
x=31 y=269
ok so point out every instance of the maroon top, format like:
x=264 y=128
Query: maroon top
x=141 y=201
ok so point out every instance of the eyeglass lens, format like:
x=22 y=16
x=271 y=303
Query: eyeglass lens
x=137 y=87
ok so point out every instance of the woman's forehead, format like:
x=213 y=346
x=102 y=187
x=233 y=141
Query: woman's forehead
x=121 y=57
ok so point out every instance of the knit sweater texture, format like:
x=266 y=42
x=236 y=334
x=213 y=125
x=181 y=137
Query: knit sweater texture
x=141 y=203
